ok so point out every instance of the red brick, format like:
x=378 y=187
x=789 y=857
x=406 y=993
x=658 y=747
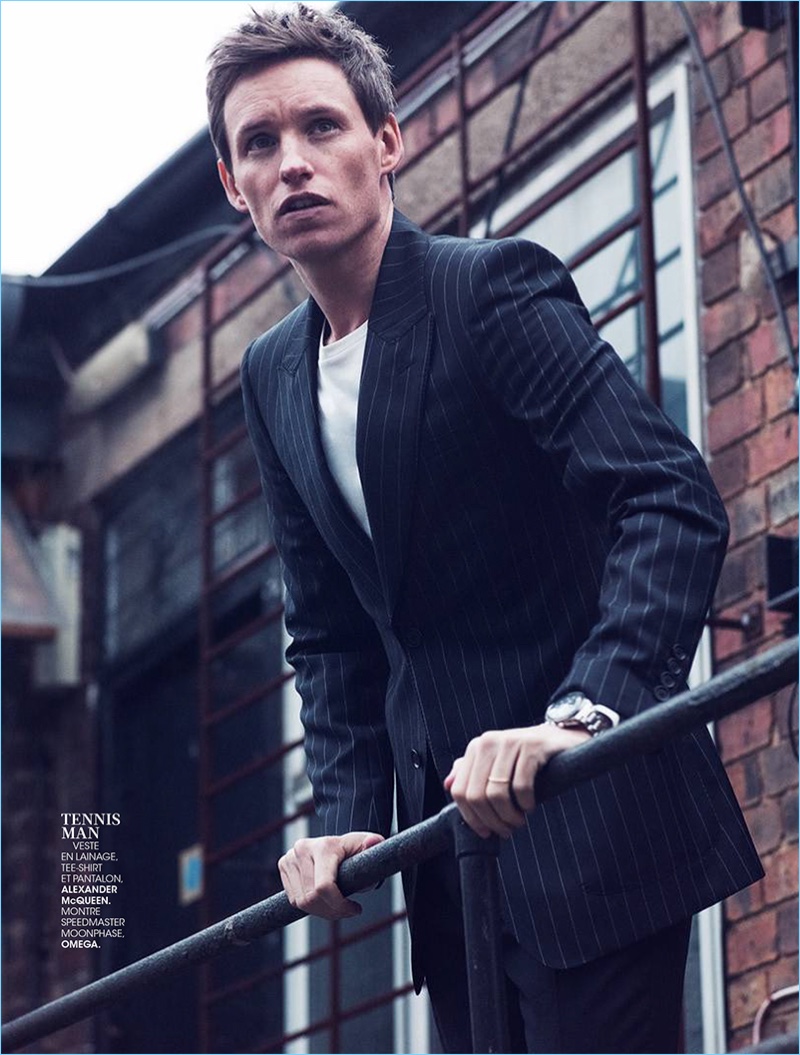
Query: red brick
x=714 y=178
x=779 y=391
x=787 y=928
x=746 y=902
x=771 y=188
x=764 y=347
x=753 y=52
x=773 y=448
x=736 y=112
x=745 y=777
x=743 y=732
x=765 y=824
x=729 y=469
x=706 y=139
x=725 y=371
x=720 y=222
x=727 y=319
x=779 y=768
x=748 y=514
x=768 y=89
x=745 y=995
x=734 y=417
x=728 y=645
x=782 y=497
x=720 y=272
x=743 y=573
x=780 y=881
x=782 y=225
x=782 y=973
x=763 y=142
x=708 y=24
x=752 y=941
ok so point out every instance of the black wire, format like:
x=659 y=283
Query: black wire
x=789 y=713
x=747 y=208
x=124 y=266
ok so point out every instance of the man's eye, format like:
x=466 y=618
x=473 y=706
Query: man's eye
x=323 y=125
x=262 y=141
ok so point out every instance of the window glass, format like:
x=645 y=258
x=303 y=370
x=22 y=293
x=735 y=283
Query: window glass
x=613 y=274
x=152 y=559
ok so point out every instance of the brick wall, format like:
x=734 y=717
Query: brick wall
x=752 y=440
x=47 y=765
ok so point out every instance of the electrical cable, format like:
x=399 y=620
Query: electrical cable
x=747 y=209
x=124 y=266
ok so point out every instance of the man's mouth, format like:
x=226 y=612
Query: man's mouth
x=301 y=202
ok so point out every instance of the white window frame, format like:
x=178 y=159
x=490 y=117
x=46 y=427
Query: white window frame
x=672 y=82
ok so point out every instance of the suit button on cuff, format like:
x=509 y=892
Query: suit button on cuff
x=661 y=693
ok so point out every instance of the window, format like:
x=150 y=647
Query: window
x=583 y=207
x=152 y=557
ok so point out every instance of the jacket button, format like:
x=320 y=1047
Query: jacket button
x=416 y=759
x=668 y=681
x=412 y=638
x=661 y=693
x=679 y=652
x=674 y=666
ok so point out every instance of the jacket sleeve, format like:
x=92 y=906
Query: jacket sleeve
x=636 y=475
x=341 y=667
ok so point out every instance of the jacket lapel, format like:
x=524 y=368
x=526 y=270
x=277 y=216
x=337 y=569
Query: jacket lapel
x=336 y=523
x=399 y=338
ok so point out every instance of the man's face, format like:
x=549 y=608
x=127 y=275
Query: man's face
x=304 y=163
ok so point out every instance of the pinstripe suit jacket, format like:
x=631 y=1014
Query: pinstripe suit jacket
x=537 y=526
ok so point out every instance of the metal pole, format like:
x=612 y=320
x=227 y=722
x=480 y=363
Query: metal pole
x=727 y=692
x=463 y=133
x=480 y=902
x=723 y=694
x=652 y=372
x=433 y=836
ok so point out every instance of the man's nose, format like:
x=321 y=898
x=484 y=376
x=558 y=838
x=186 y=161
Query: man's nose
x=295 y=164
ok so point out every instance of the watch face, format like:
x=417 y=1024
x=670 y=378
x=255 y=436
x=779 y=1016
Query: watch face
x=566 y=708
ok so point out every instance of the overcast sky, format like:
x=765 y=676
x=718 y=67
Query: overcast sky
x=95 y=95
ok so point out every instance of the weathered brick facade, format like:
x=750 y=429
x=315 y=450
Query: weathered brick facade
x=750 y=422
x=752 y=439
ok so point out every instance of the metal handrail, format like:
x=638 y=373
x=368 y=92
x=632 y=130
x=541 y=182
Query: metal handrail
x=727 y=692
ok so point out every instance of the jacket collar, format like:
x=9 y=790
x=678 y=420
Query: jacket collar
x=395 y=361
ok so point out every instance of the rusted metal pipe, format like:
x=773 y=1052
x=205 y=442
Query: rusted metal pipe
x=723 y=694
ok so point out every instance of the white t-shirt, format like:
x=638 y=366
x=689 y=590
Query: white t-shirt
x=338 y=383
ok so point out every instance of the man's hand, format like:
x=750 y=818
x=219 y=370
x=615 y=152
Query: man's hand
x=492 y=783
x=308 y=872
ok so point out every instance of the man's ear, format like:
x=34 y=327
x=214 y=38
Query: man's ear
x=392 y=149
x=231 y=190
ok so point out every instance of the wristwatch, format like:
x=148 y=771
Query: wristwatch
x=577 y=711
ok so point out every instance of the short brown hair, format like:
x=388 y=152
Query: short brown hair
x=273 y=36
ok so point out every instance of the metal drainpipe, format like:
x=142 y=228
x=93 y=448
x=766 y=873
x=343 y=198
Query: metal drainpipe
x=647 y=234
x=463 y=137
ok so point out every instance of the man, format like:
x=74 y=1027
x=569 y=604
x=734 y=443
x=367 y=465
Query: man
x=483 y=523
